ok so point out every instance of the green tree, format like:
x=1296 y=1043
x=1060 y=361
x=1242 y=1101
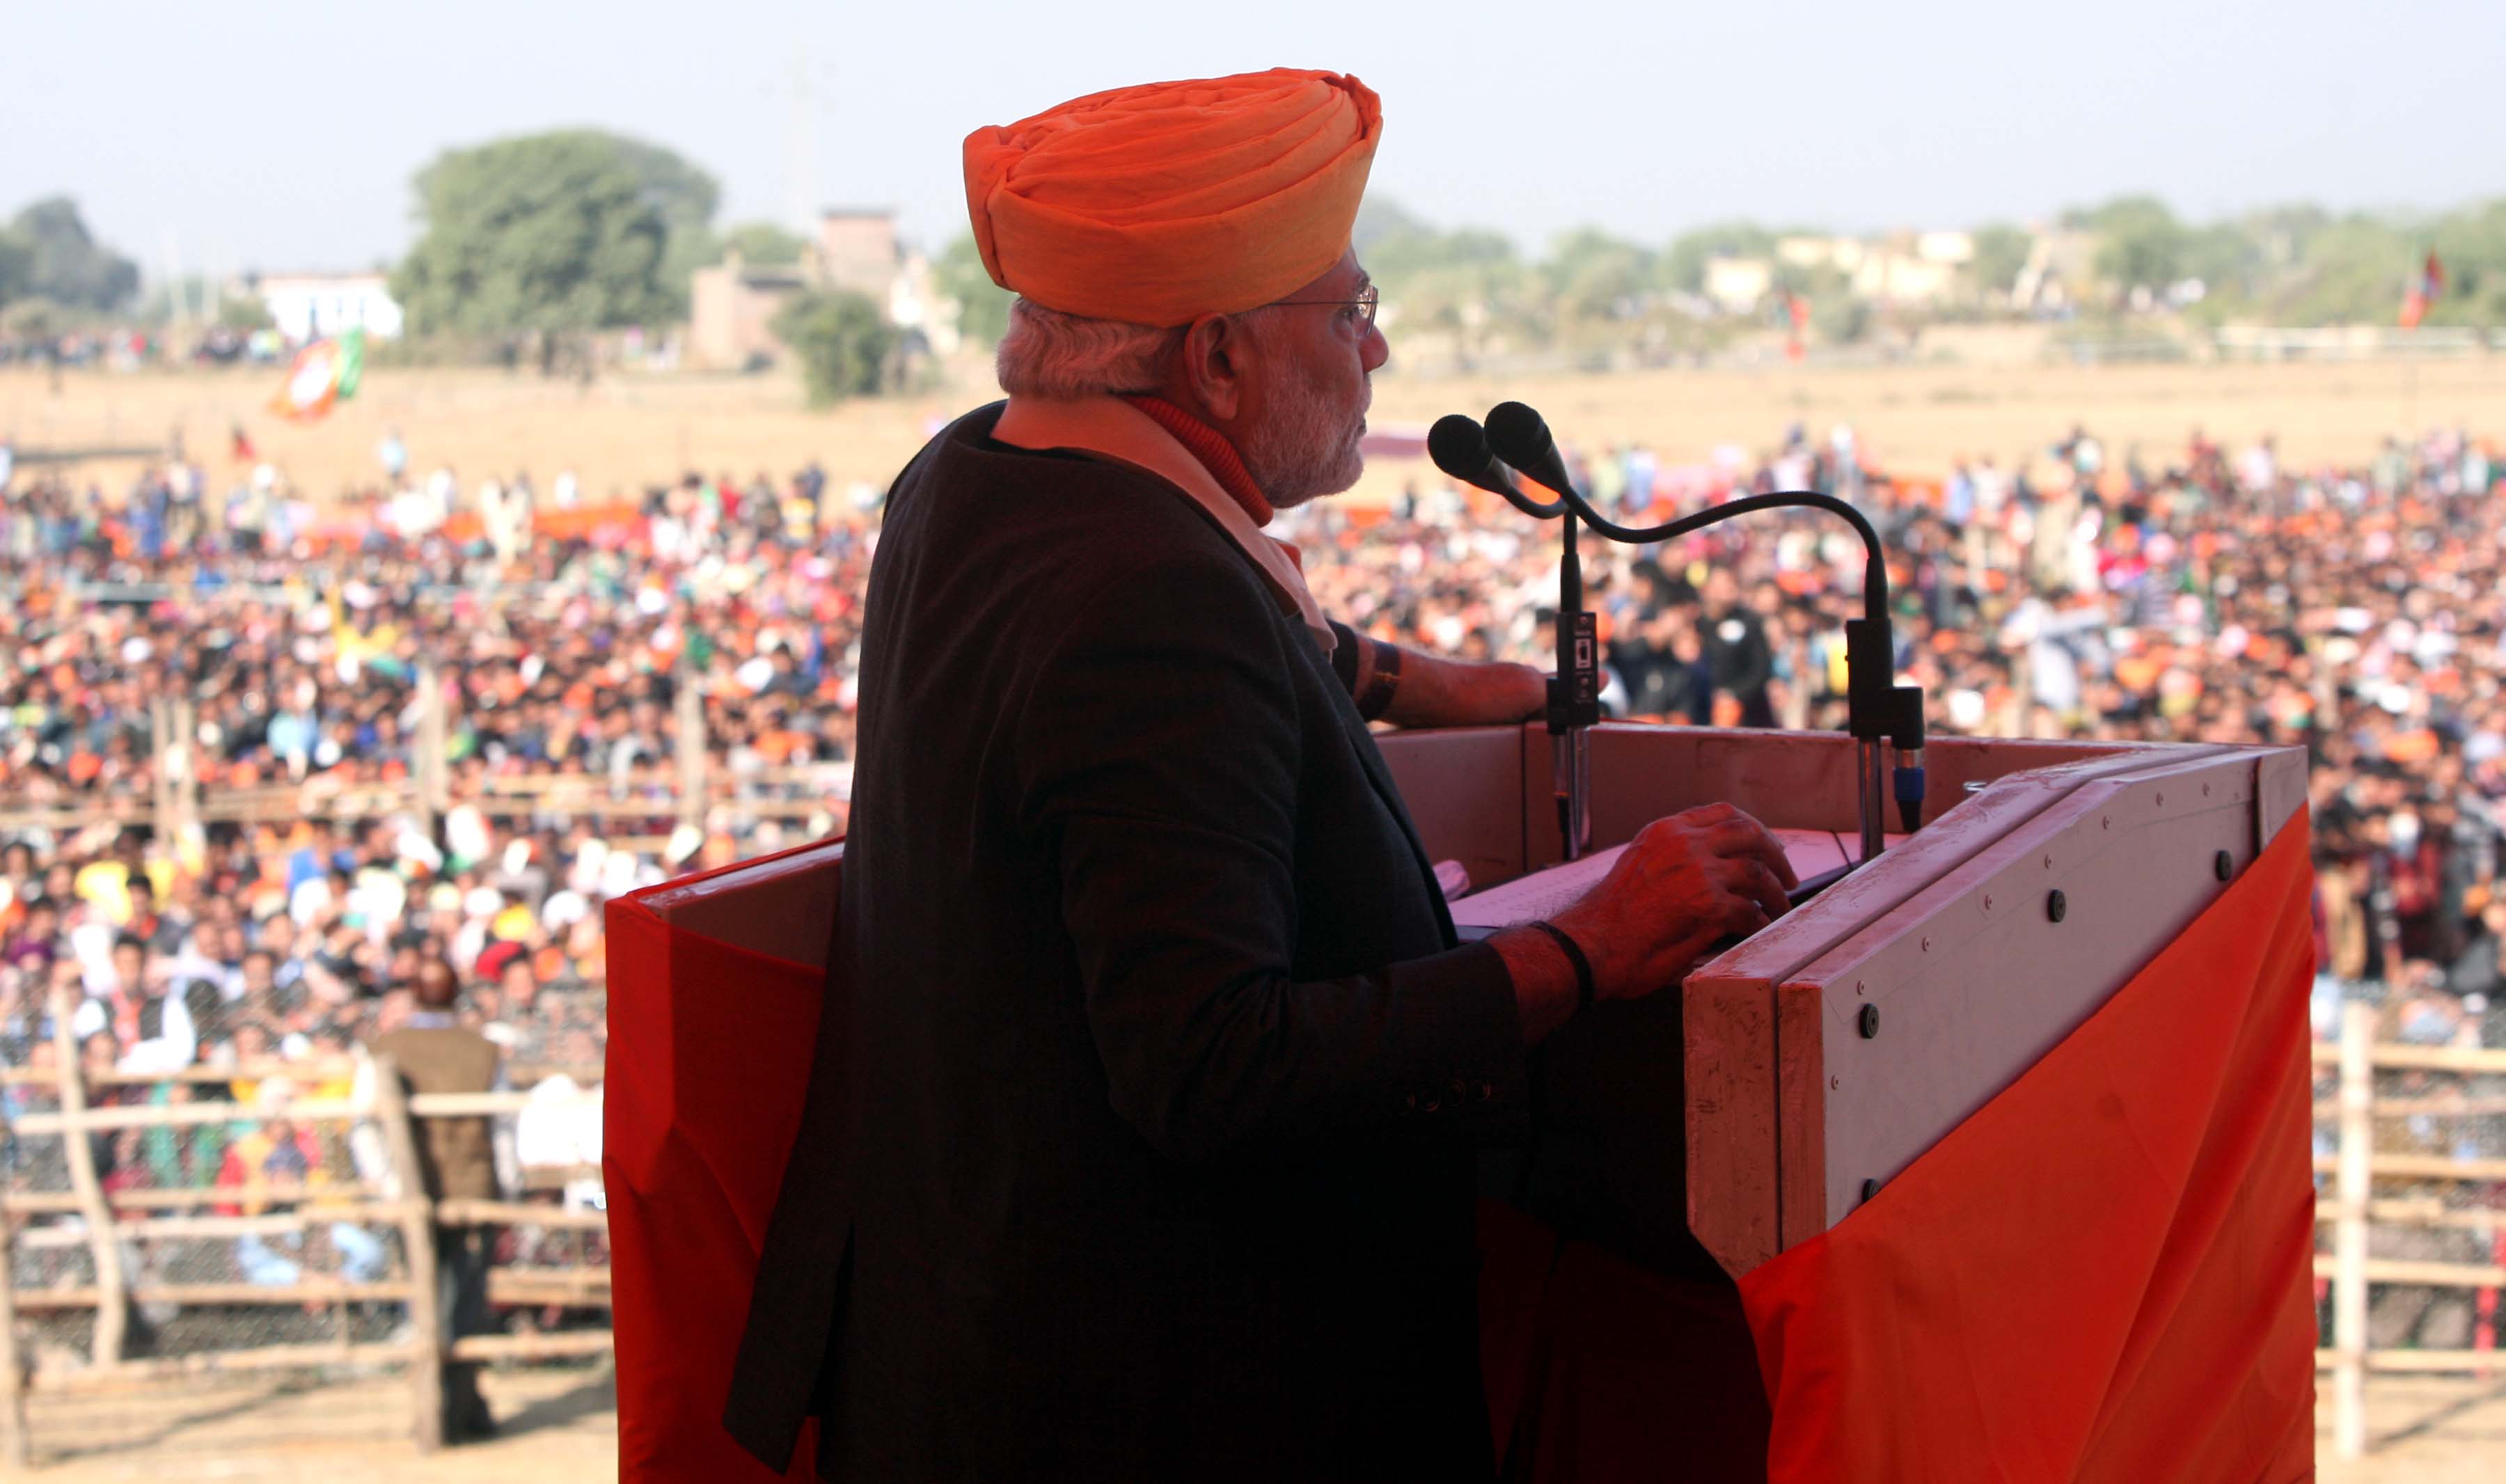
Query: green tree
x=1592 y=276
x=2348 y=271
x=1836 y=314
x=686 y=196
x=983 y=306
x=1409 y=251
x=561 y=233
x=1840 y=319
x=16 y=265
x=32 y=319
x=1379 y=217
x=1468 y=284
x=245 y=313
x=2227 y=258
x=2471 y=245
x=763 y=244
x=2000 y=251
x=55 y=256
x=843 y=341
x=2140 y=245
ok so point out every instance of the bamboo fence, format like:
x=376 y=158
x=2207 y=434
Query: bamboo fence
x=45 y=1233
x=686 y=790
x=2369 y=1191
x=2445 y=1193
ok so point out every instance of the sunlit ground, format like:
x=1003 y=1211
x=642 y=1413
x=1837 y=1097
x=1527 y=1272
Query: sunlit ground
x=561 y=1425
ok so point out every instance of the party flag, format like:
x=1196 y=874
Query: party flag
x=2423 y=293
x=323 y=373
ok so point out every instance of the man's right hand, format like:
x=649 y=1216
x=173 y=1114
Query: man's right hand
x=1682 y=885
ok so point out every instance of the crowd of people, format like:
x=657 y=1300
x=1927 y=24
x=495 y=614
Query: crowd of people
x=2213 y=595
x=2208 y=594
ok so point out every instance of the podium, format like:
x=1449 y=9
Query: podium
x=2077 y=861
x=1904 y=1023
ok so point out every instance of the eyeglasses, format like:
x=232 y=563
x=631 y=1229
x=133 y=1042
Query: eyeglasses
x=1361 y=309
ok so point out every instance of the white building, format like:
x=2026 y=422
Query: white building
x=1899 y=267
x=1736 y=284
x=305 y=307
x=1844 y=254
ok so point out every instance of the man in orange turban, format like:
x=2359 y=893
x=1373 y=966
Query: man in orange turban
x=1157 y=206
x=1143 y=1144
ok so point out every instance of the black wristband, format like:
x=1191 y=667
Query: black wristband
x=1574 y=956
x=1384 y=685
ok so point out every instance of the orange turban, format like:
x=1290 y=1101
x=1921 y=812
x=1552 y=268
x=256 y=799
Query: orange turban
x=1161 y=203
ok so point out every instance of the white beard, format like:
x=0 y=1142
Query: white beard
x=1304 y=447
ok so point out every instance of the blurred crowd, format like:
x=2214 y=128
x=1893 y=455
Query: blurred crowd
x=2201 y=593
x=304 y=653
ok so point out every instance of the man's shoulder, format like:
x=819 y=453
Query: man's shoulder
x=965 y=457
x=1075 y=520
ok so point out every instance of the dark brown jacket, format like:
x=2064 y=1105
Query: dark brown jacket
x=1151 y=1156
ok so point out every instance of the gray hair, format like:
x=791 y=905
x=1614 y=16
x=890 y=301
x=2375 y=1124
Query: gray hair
x=1050 y=354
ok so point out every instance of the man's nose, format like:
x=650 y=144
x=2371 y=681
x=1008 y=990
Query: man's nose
x=1375 y=351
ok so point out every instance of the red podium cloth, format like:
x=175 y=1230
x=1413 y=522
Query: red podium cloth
x=709 y=1050
x=2104 y=1274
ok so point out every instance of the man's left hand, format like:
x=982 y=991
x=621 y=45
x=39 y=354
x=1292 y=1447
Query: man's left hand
x=1450 y=692
x=1504 y=692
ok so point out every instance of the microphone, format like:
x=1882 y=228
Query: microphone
x=1877 y=710
x=1521 y=436
x=1460 y=448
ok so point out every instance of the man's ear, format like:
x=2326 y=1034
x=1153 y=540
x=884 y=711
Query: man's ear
x=1213 y=348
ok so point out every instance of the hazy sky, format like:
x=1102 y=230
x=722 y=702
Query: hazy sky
x=280 y=135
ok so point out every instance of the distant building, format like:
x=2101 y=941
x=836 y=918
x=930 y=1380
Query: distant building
x=1844 y=254
x=1736 y=285
x=1953 y=247
x=731 y=305
x=1898 y=268
x=858 y=250
x=307 y=306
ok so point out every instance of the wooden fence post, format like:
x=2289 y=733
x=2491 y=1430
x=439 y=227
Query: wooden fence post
x=113 y=1291
x=15 y=1444
x=2353 y=1178
x=160 y=760
x=434 y=785
x=417 y=1238
x=689 y=745
x=185 y=752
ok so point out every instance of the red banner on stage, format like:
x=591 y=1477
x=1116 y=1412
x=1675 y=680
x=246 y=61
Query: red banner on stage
x=709 y=1048
x=2104 y=1274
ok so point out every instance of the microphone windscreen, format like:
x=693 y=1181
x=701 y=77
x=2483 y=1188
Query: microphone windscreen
x=1519 y=436
x=1459 y=448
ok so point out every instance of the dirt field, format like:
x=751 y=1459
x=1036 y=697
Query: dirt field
x=557 y=1425
x=627 y=430
x=2423 y=1430
x=560 y=1426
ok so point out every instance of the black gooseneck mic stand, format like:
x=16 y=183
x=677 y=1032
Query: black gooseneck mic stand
x=1460 y=448
x=1879 y=712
